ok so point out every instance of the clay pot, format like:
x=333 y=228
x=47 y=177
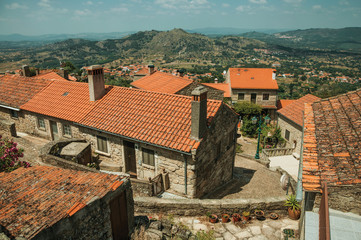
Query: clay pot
x=274 y=216
x=225 y=218
x=213 y=218
x=294 y=214
x=236 y=217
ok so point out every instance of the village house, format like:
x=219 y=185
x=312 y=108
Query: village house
x=169 y=83
x=42 y=202
x=331 y=156
x=256 y=85
x=191 y=140
x=290 y=120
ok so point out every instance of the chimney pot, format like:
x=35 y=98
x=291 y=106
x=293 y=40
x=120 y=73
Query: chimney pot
x=216 y=80
x=26 y=71
x=151 y=69
x=64 y=73
x=199 y=113
x=96 y=82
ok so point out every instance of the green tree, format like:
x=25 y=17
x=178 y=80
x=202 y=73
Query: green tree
x=247 y=109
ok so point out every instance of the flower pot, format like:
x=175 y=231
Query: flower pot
x=213 y=218
x=225 y=218
x=294 y=214
x=259 y=215
x=273 y=216
x=236 y=217
x=245 y=218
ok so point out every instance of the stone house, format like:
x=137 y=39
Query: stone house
x=44 y=202
x=290 y=120
x=191 y=140
x=168 y=83
x=256 y=85
x=332 y=153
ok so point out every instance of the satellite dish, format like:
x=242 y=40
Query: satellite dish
x=284 y=181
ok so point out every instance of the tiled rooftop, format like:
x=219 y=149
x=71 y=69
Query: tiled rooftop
x=332 y=142
x=35 y=198
x=294 y=110
x=62 y=99
x=157 y=118
x=50 y=76
x=162 y=82
x=220 y=86
x=17 y=90
x=252 y=78
x=284 y=103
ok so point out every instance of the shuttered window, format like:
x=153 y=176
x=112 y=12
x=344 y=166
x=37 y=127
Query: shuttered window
x=148 y=156
x=102 y=144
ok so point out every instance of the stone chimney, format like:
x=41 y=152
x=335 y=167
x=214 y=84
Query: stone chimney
x=64 y=73
x=37 y=71
x=96 y=82
x=151 y=69
x=26 y=70
x=199 y=113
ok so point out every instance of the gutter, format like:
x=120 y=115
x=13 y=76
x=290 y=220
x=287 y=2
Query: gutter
x=299 y=191
x=134 y=139
x=11 y=108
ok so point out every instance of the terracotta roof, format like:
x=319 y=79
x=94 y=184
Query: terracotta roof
x=50 y=76
x=252 y=78
x=156 y=118
x=284 y=103
x=294 y=110
x=36 y=198
x=17 y=90
x=62 y=99
x=143 y=71
x=332 y=142
x=162 y=82
x=220 y=86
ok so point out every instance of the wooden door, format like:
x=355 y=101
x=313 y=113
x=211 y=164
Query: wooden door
x=130 y=161
x=119 y=217
x=253 y=97
x=54 y=130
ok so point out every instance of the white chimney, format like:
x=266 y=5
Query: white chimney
x=274 y=75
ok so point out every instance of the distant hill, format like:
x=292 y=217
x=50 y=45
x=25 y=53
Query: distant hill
x=321 y=38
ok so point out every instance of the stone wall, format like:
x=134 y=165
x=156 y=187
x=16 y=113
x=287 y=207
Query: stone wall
x=295 y=133
x=211 y=94
x=7 y=128
x=259 y=99
x=198 y=207
x=92 y=221
x=343 y=198
x=216 y=153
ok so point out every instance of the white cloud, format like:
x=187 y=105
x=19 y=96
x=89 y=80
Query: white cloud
x=240 y=8
x=44 y=3
x=183 y=4
x=316 y=7
x=344 y=2
x=119 y=9
x=292 y=1
x=89 y=3
x=84 y=12
x=225 y=5
x=258 y=1
x=15 y=5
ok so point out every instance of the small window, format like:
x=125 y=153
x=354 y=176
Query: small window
x=240 y=96
x=102 y=144
x=148 y=156
x=14 y=114
x=66 y=130
x=41 y=123
x=287 y=135
x=266 y=96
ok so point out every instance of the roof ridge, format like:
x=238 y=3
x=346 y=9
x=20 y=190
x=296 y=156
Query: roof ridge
x=339 y=95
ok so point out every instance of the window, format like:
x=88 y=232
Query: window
x=287 y=135
x=14 y=114
x=266 y=96
x=66 y=130
x=41 y=123
x=102 y=144
x=240 y=96
x=148 y=156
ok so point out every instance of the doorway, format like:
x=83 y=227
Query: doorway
x=54 y=130
x=130 y=161
x=119 y=217
x=253 y=97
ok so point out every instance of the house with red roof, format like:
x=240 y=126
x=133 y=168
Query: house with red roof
x=290 y=120
x=191 y=139
x=43 y=202
x=256 y=85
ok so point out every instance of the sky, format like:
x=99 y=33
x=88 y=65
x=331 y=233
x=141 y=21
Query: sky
x=36 y=17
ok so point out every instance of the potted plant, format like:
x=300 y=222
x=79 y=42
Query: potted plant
x=274 y=216
x=246 y=215
x=236 y=217
x=212 y=217
x=259 y=214
x=294 y=209
x=225 y=218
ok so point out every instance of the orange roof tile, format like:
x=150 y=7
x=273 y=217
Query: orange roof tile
x=252 y=78
x=331 y=142
x=156 y=118
x=17 y=90
x=50 y=76
x=36 y=198
x=143 y=71
x=284 y=103
x=162 y=82
x=220 y=86
x=294 y=110
x=62 y=99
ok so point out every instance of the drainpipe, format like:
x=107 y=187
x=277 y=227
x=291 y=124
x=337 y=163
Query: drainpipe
x=299 y=192
x=185 y=174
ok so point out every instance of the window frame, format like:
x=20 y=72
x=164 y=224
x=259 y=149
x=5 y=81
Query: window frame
x=64 y=131
x=287 y=135
x=148 y=157
x=14 y=114
x=263 y=96
x=40 y=127
x=238 y=98
x=100 y=146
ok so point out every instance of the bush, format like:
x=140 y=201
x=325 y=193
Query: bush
x=247 y=109
x=9 y=156
x=248 y=128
